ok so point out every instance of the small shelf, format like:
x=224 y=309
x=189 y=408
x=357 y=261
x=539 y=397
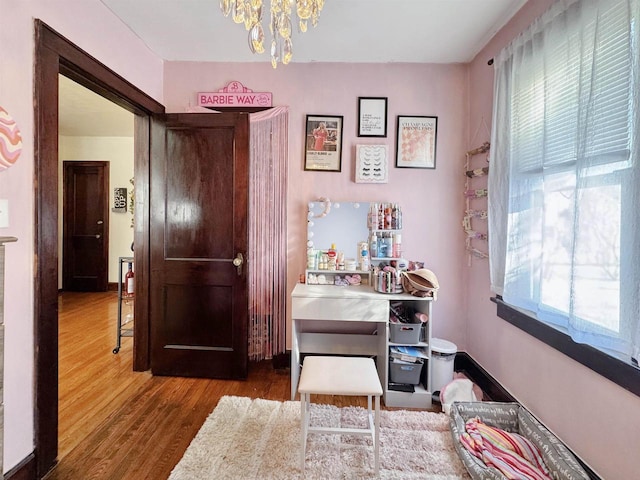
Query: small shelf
x=419 y=344
x=365 y=275
x=122 y=298
x=419 y=398
x=340 y=272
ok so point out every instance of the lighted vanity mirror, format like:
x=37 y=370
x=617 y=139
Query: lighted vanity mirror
x=342 y=223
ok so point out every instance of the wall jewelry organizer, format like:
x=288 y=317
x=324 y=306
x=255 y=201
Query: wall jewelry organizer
x=475 y=202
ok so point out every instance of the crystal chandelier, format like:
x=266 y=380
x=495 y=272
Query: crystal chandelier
x=249 y=12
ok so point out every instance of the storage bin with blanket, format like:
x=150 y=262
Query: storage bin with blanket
x=511 y=418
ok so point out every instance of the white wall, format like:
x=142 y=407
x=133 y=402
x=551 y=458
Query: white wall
x=89 y=24
x=118 y=151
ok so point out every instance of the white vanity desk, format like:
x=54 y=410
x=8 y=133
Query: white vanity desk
x=353 y=320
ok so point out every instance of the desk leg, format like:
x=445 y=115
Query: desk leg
x=295 y=359
x=376 y=442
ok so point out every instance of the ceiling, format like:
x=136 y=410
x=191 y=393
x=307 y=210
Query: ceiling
x=378 y=31
x=420 y=31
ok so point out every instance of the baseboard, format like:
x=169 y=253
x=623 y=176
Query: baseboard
x=281 y=360
x=112 y=287
x=25 y=470
x=478 y=375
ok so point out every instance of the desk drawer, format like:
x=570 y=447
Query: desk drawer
x=350 y=309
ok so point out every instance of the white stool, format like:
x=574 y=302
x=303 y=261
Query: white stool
x=353 y=376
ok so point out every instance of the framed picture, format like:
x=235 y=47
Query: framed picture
x=372 y=164
x=372 y=116
x=119 y=200
x=416 y=142
x=323 y=143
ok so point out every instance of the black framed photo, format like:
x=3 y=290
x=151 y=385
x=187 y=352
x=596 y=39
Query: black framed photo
x=323 y=143
x=372 y=116
x=416 y=142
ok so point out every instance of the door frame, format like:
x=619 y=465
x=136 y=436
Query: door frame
x=67 y=222
x=56 y=55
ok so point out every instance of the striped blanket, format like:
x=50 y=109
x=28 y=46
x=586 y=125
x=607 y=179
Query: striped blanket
x=510 y=453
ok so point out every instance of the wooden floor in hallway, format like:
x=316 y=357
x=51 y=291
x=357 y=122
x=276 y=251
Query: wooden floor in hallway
x=116 y=424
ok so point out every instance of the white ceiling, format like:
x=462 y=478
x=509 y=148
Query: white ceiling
x=378 y=31
x=370 y=31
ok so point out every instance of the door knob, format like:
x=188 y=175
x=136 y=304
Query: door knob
x=100 y=222
x=98 y=236
x=237 y=262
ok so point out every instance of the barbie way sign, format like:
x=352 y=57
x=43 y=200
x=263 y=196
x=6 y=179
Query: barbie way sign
x=235 y=94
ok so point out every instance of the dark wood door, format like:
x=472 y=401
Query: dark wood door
x=85 y=252
x=198 y=227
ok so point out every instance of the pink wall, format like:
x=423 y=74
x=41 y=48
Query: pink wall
x=600 y=424
x=598 y=419
x=89 y=24
x=431 y=199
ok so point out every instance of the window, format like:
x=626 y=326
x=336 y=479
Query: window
x=564 y=185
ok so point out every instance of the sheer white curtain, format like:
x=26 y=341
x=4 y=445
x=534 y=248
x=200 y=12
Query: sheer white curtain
x=564 y=181
x=268 y=232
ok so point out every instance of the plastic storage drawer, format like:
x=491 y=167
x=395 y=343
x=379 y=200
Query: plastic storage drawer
x=405 y=332
x=404 y=372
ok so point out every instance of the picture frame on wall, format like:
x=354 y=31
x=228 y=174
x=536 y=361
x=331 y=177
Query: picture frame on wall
x=416 y=141
x=323 y=143
x=372 y=164
x=372 y=116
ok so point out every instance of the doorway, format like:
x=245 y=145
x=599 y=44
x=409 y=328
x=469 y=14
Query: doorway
x=55 y=55
x=85 y=250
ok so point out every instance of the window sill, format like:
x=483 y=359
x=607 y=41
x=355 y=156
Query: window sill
x=625 y=375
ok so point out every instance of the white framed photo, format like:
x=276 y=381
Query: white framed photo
x=372 y=164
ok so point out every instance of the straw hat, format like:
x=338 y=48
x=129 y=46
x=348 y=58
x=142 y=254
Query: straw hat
x=422 y=279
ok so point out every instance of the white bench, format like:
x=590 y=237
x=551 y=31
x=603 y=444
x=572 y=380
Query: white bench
x=353 y=376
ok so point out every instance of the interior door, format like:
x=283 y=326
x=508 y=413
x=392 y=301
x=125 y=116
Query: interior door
x=85 y=251
x=198 y=227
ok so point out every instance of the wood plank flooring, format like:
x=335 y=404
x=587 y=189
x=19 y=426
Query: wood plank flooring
x=116 y=424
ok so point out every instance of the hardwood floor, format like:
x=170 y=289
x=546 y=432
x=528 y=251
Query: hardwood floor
x=116 y=424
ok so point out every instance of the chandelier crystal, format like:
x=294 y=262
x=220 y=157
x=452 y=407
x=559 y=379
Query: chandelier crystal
x=249 y=12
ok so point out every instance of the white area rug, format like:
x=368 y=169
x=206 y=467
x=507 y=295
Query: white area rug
x=260 y=439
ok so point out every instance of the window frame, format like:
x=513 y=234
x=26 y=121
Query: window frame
x=618 y=371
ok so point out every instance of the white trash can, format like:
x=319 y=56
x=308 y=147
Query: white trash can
x=443 y=353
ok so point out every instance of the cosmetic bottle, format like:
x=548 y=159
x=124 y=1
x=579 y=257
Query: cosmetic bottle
x=332 y=254
x=388 y=245
x=397 y=245
x=373 y=247
x=373 y=217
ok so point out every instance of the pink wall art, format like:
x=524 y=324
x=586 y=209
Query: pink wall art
x=10 y=140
